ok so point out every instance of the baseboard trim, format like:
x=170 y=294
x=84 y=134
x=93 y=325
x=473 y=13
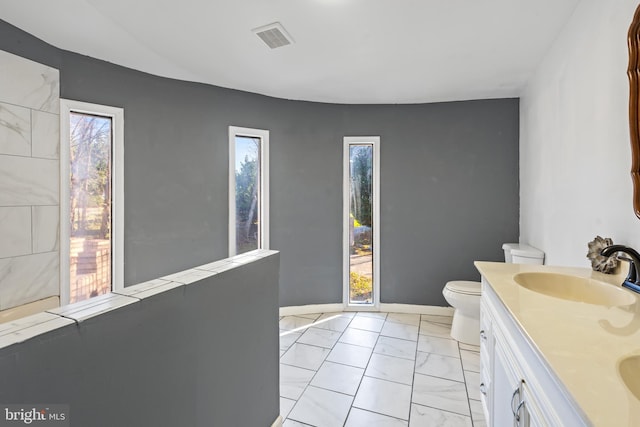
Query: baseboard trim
x=277 y=422
x=416 y=309
x=309 y=309
x=386 y=307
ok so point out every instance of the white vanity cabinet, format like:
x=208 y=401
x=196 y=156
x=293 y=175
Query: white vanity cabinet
x=517 y=387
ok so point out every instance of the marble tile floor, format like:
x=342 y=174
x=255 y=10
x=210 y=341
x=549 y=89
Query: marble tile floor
x=376 y=369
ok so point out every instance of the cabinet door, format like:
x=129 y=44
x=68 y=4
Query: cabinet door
x=535 y=417
x=486 y=359
x=506 y=389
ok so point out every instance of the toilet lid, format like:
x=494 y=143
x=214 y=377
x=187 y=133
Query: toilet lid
x=527 y=252
x=464 y=287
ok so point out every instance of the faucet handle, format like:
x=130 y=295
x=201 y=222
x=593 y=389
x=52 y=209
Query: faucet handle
x=631 y=277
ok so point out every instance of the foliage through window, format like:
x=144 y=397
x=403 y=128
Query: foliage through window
x=90 y=204
x=248 y=189
x=360 y=224
x=247 y=176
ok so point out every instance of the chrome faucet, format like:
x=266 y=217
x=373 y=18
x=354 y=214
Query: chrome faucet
x=633 y=278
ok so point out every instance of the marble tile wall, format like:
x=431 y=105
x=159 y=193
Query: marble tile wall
x=29 y=181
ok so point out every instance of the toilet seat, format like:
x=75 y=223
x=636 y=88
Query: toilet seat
x=464 y=287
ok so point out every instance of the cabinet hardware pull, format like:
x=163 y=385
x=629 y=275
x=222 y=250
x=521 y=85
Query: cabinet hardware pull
x=517 y=413
x=516 y=392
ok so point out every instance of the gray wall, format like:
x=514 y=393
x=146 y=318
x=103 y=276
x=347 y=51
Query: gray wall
x=449 y=178
x=185 y=357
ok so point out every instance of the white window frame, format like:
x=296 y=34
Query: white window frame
x=234 y=131
x=116 y=114
x=375 y=142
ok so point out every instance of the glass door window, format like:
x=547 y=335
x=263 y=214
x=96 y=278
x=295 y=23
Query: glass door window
x=91 y=194
x=361 y=216
x=248 y=193
x=248 y=190
x=90 y=206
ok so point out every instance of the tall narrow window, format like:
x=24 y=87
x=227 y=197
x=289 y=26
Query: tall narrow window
x=91 y=205
x=361 y=221
x=248 y=189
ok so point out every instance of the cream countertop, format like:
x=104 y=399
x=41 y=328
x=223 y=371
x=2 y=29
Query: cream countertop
x=581 y=343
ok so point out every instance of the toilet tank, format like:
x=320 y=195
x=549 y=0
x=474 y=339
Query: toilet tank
x=520 y=253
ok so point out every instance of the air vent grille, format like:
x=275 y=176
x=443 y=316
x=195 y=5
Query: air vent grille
x=274 y=35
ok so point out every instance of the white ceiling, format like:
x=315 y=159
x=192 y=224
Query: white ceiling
x=345 y=51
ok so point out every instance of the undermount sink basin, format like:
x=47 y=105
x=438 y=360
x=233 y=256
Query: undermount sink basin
x=629 y=369
x=574 y=288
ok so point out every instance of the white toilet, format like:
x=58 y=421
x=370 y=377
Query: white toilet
x=464 y=295
x=519 y=253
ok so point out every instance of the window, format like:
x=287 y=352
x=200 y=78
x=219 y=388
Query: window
x=248 y=189
x=361 y=216
x=91 y=205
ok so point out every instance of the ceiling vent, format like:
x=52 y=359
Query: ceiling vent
x=274 y=35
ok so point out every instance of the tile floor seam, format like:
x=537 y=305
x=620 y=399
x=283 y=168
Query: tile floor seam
x=328 y=389
x=413 y=377
x=310 y=345
x=294 y=366
x=360 y=382
x=443 y=378
x=466 y=388
x=344 y=364
x=403 y=339
x=357 y=345
x=300 y=397
x=473 y=421
x=391 y=381
x=380 y=413
x=366 y=330
x=444 y=410
x=354 y=398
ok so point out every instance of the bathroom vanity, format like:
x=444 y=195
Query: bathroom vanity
x=558 y=347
